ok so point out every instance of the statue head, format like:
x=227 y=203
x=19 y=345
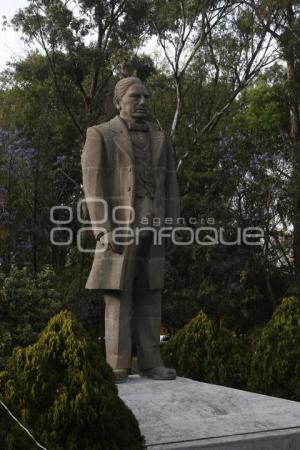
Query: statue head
x=131 y=98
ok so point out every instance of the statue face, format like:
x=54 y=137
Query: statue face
x=134 y=105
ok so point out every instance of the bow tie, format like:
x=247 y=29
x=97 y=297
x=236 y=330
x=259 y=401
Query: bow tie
x=138 y=126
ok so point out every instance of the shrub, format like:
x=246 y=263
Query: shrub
x=275 y=364
x=201 y=352
x=62 y=390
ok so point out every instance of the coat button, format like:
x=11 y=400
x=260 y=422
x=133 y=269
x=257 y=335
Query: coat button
x=130 y=169
x=129 y=188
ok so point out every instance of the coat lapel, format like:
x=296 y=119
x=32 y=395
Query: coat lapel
x=122 y=139
x=157 y=138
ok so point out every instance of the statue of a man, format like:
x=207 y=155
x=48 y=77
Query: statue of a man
x=130 y=186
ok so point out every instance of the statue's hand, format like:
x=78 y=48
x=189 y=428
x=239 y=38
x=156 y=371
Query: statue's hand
x=107 y=240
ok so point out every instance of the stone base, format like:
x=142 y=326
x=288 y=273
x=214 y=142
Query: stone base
x=188 y=415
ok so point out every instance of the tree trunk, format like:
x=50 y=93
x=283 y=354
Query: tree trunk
x=35 y=215
x=295 y=138
x=178 y=109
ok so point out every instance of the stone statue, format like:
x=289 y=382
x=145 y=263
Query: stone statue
x=130 y=184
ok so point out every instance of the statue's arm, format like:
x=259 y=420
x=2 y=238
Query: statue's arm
x=93 y=178
x=172 y=190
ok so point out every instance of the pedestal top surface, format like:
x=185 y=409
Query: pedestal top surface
x=184 y=410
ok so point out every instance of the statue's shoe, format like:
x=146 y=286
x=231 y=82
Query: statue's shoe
x=121 y=375
x=159 y=373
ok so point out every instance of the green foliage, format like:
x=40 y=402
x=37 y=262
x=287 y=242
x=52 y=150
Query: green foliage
x=141 y=66
x=84 y=43
x=227 y=283
x=33 y=107
x=275 y=362
x=201 y=352
x=238 y=171
x=239 y=177
x=63 y=391
x=27 y=302
x=267 y=110
x=234 y=172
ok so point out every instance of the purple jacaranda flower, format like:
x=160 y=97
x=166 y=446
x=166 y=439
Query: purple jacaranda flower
x=3 y=134
x=227 y=157
x=12 y=143
x=259 y=216
x=23 y=245
x=25 y=153
x=59 y=160
x=257 y=159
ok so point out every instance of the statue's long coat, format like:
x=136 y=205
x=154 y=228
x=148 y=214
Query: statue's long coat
x=109 y=173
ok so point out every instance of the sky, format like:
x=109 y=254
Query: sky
x=11 y=46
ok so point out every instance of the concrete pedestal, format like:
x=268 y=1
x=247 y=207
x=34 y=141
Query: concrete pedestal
x=185 y=414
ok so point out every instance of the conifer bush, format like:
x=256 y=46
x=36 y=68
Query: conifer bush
x=202 y=352
x=275 y=364
x=62 y=390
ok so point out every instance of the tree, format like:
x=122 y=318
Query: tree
x=282 y=22
x=40 y=171
x=84 y=43
x=211 y=42
x=47 y=176
x=63 y=391
x=232 y=141
x=237 y=177
x=27 y=302
x=16 y=158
